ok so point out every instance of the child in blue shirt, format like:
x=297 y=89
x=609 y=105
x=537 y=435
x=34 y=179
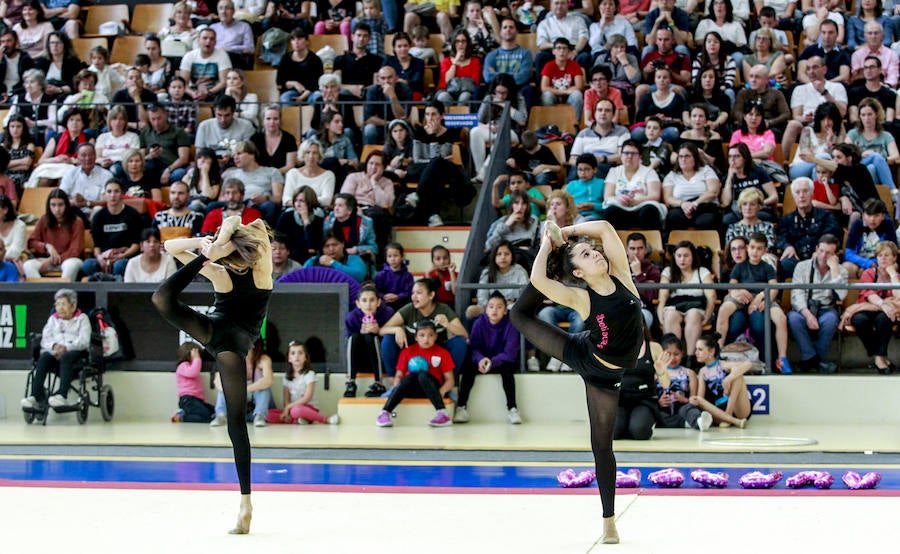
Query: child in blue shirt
x=587 y=190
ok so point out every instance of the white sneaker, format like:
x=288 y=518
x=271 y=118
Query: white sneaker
x=333 y=420
x=28 y=402
x=704 y=421
x=554 y=365
x=532 y=364
x=435 y=221
x=461 y=415
x=565 y=368
x=514 y=417
x=57 y=401
x=218 y=421
x=259 y=420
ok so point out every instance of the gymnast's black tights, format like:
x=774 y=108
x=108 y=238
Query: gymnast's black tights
x=602 y=403
x=231 y=365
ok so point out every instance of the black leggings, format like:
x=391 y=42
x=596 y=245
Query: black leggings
x=364 y=350
x=507 y=374
x=229 y=358
x=635 y=420
x=602 y=403
x=416 y=385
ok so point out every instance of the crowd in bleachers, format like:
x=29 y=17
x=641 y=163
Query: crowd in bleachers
x=670 y=117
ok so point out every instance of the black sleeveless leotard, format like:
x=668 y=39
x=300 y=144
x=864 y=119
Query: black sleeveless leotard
x=238 y=315
x=614 y=332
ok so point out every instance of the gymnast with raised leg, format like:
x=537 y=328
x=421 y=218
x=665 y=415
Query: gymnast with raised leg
x=242 y=280
x=603 y=294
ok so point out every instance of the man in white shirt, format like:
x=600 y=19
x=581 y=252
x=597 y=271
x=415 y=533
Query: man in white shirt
x=224 y=131
x=807 y=97
x=204 y=69
x=603 y=139
x=85 y=182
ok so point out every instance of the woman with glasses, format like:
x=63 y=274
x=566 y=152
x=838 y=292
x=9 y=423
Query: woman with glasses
x=743 y=174
x=631 y=196
x=460 y=72
x=766 y=51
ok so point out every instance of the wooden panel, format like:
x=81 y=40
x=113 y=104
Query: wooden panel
x=124 y=49
x=262 y=83
x=83 y=46
x=97 y=15
x=426 y=237
x=150 y=18
x=34 y=200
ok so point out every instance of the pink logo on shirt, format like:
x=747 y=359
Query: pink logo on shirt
x=604 y=331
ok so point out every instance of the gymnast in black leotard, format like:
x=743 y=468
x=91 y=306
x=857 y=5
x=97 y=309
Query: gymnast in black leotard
x=608 y=301
x=238 y=262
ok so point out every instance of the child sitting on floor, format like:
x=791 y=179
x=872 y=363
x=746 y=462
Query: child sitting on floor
x=192 y=406
x=299 y=389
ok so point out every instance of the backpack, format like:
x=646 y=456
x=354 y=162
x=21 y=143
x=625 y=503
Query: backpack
x=101 y=323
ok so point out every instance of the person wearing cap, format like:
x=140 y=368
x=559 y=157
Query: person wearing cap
x=562 y=80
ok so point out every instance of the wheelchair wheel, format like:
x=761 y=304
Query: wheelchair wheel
x=82 y=413
x=107 y=402
x=28 y=415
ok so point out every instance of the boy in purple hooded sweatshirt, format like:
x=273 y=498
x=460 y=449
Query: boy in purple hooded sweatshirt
x=394 y=282
x=362 y=325
x=495 y=347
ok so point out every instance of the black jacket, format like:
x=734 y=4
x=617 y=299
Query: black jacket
x=25 y=63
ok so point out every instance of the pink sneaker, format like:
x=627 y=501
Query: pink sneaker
x=441 y=419
x=384 y=419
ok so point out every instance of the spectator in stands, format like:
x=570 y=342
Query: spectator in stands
x=259 y=386
x=834 y=59
x=14 y=62
x=112 y=145
x=502 y=269
x=85 y=182
x=63 y=14
x=160 y=69
x=135 y=97
x=204 y=13
x=775 y=108
x=444 y=270
x=874 y=47
x=92 y=103
x=310 y=174
x=263 y=186
x=409 y=70
x=62 y=149
x=642 y=271
x=374 y=194
x=720 y=20
x=116 y=229
x=440 y=16
x=510 y=58
x=874 y=227
x=233 y=36
x=562 y=79
x=854 y=181
x=183 y=111
x=358 y=66
x=204 y=180
x=460 y=72
x=17 y=142
x=876 y=310
x=327 y=98
x=135 y=181
x=873 y=87
x=814 y=310
x=357 y=229
x=878 y=147
x=246 y=103
x=7 y=186
x=179 y=214
x=665 y=103
x=700 y=134
x=758 y=138
x=744 y=175
x=635 y=11
x=12 y=232
x=385 y=102
x=767 y=52
x=799 y=231
x=602 y=140
x=868 y=12
x=152 y=265
x=667 y=17
x=560 y=24
x=495 y=347
x=712 y=54
x=378 y=27
x=397 y=332
x=394 y=282
x=65 y=340
x=735 y=253
x=610 y=24
x=501 y=89
x=301 y=224
x=224 y=131
x=518 y=227
x=335 y=256
x=33 y=29
x=625 y=73
x=233 y=196
x=166 y=147
x=275 y=147
x=434 y=169
x=721 y=388
x=109 y=79
x=205 y=68
x=587 y=189
x=181 y=37
x=481 y=25
x=57 y=241
x=632 y=193
x=299 y=71
x=599 y=89
x=288 y=15
x=691 y=192
x=59 y=63
x=536 y=160
x=362 y=325
x=817 y=140
x=517 y=181
x=11 y=11
x=335 y=17
x=338 y=154
x=692 y=307
x=811 y=23
x=282 y=263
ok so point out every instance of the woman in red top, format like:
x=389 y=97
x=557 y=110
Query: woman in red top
x=57 y=241
x=460 y=71
x=63 y=148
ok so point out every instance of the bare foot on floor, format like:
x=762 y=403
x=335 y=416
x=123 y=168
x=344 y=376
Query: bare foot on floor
x=610 y=533
x=243 y=522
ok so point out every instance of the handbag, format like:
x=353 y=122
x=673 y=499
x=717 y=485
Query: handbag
x=685 y=302
x=459 y=85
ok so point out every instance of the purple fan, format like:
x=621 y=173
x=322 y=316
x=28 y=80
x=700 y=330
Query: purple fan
x=319 y=274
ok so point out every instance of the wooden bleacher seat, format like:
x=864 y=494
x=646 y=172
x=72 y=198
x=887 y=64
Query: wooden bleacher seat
x=884 y=192
x=290 y=121
x=359 y=115
x=338 y=42
x=99 y=14
x=204 y=112
x=561 y=115
x=88 y=244
x=701 y=238
x=263 y=84
x=47 y=279
x=124 y=49
x=527 y=41
x=788 y=205
x=83 y=46
x=306 y=117
x=34 y=201
x=150 y=18
x=451 y=237
x=166 y=233
x=368 y=149
x=389 y=44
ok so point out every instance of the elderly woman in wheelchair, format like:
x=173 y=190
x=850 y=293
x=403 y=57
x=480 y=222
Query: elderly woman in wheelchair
x=65 y=341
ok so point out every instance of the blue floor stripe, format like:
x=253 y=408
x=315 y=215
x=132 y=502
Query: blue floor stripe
x=337 y=474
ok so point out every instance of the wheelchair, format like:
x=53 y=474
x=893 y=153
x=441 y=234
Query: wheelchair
x=88 y=385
